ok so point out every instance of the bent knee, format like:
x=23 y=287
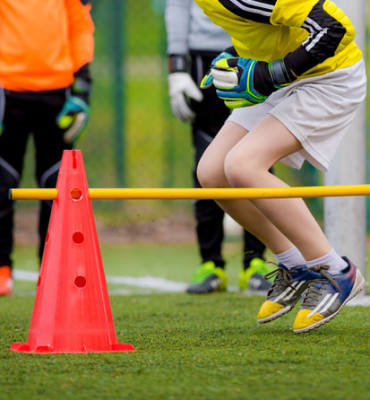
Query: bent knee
x=242 y=170
x=211 y=175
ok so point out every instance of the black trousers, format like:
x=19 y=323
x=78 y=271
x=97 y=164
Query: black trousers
x=211 y=114
x=24 y=115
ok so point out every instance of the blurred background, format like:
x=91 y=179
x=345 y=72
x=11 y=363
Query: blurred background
x=133 y=140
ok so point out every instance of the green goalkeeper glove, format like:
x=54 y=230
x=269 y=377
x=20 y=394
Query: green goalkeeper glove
x=243 y=82
x=207 y=81
x=75 y=113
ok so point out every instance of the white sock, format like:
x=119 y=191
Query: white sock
x=290 y=258
x=335 y=262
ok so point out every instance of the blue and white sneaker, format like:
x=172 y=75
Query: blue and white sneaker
x=284 y=293
x=326 y=294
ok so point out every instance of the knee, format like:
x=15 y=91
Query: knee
x=205 y=175
x=210 y=175
x=240 y=170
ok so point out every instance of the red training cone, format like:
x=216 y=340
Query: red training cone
x=72 y=312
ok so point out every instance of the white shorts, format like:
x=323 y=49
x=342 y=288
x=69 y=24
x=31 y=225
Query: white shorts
x=317 y=111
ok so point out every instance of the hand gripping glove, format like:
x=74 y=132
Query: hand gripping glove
x=75 y=113
x=207 y=81
x=243 y=82
x=181 y=86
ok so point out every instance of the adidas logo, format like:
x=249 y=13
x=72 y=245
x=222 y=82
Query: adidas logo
x=324 y=304
x=289 y=292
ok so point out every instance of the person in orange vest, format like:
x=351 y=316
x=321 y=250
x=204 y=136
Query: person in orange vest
x=46 y=48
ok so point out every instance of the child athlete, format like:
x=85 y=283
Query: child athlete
x=294 y=79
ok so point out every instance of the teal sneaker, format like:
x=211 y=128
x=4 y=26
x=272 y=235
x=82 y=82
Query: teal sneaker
x=208 y=278
x=253 y=278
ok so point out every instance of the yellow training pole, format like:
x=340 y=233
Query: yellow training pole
x=33 y=194
x=214 y=194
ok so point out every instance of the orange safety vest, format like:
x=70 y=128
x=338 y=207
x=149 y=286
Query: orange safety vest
x=43 y=43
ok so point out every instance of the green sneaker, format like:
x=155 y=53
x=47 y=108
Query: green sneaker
x=253 y=278
x=208 y=278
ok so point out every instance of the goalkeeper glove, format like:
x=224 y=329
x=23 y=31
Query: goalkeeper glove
x=181 y=88
x=243 y=82
x=75 y=113
x=207 y=81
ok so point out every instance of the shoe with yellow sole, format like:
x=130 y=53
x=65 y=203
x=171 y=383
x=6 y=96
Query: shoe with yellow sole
x=326 y=295
x=285 y=292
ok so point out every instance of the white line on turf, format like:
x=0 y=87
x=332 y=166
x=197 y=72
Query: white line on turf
x=150 y=285
x=147 y=282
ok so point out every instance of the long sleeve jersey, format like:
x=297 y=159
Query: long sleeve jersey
x=315 y=36
x=189 y=29
x=43 y=43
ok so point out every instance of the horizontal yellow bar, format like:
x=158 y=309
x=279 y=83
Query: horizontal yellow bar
x=214 y=194
x=33 y=194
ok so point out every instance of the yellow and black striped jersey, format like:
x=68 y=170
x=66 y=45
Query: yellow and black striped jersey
x=315 y=36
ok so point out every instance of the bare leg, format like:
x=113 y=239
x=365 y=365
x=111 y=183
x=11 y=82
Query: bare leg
x=211 y=174
x=238 y=159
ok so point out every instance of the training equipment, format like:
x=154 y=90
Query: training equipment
x=266 y=313
x=208 y=278
x=243 y=82
x=195 y=193
x=181 y=86
x=73 y=118
x=326 y=294
x=72 y=312
x=284 y=293
x=6 y=281
x=253 y=278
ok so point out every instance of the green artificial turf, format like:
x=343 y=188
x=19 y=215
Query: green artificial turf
x=187 y=347
x=194 y=347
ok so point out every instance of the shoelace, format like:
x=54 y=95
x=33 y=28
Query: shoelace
x=280 y=274
x=312 y=292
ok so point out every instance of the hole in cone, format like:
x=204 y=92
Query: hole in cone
x=74 y=159
x=78 y=237
x=80 y=281
x=76 y=194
